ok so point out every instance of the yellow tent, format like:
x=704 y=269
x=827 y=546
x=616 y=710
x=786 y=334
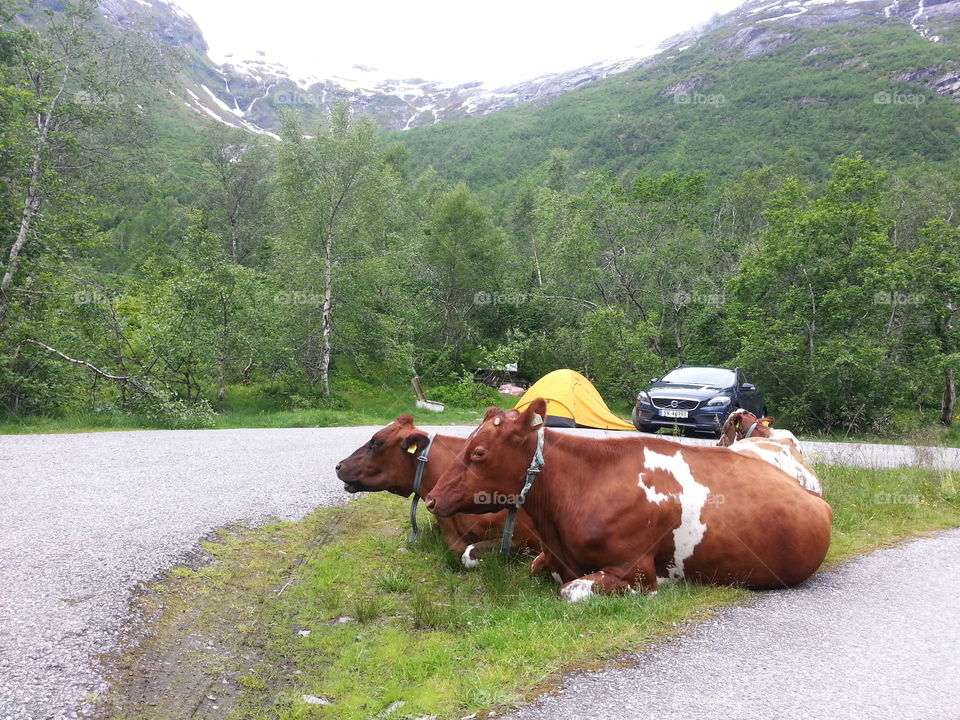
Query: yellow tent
x=572 y=399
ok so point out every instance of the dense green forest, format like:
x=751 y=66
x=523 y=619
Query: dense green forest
x=153 y=264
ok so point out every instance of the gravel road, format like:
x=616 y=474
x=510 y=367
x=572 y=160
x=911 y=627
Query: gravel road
x=876 y=638
x=84 y=518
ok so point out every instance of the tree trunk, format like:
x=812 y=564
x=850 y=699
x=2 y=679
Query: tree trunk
x=34 y=199
x=222 y=352
x=949 y=398
x=221 y=370
x=536 y=261
x=326 y=323
x=30 y=207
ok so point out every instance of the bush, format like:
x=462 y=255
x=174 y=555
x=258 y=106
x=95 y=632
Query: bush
x=465 y=393
x=286 y=396
x=181 y=415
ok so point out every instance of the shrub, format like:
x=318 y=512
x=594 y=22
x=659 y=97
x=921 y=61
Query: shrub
x=181 y=415
x=465 y=393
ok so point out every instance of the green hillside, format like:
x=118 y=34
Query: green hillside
x=809 y=100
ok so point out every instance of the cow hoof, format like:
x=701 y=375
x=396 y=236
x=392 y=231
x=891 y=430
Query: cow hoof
x=577 y=590
x=468 y=561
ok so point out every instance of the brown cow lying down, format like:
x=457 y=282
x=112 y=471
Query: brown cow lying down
x=620 y=514
x=744 y=432
x=388 y=462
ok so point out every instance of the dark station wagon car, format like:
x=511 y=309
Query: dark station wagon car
x=696 y=398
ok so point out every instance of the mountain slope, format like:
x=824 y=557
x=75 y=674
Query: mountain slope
x=809 y=80
x=251 y=92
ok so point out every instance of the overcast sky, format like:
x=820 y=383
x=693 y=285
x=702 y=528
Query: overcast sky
x=494 y=41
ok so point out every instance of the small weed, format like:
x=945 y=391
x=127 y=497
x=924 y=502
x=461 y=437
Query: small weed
x=252 y=681
x=427 y=614
x=393 y=581
x=367 y=608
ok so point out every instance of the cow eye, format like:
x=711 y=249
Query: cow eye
x=479 y=452
x=376 y=444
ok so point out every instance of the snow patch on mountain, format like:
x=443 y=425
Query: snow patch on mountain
x=250 y=92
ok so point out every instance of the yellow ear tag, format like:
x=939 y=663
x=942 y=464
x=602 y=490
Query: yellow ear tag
x=412 y=449
x=536 y=420
x=765 y=423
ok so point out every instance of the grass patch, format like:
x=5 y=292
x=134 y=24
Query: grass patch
x=875 y=508
x=339 y=609
x=247 y=407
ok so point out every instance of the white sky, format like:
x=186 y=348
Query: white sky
x=493 y=41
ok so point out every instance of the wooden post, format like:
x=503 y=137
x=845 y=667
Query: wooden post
x=417 y=388
x=949 y=401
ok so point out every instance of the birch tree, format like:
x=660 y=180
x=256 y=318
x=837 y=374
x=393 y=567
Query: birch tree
x=326 y=183
x=67 y=81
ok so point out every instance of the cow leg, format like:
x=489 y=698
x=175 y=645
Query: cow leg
x=545 y=563
x=474 y=553
x=541 y=564
x=641 y=577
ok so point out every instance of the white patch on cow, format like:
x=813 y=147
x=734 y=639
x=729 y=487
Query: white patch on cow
x=693 y=496
x=469 y=562
x=577 y=590
x=778 y=434
x=652 y=494
x=783 y=458
x=556 y=576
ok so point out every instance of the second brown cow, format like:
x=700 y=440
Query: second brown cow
x=618 y=515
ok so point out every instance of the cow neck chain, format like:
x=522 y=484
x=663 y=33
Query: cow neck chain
x=751 y=429
x=422 y=459
x=535 y=464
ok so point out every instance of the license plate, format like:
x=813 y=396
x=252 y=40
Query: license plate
x=674 y=413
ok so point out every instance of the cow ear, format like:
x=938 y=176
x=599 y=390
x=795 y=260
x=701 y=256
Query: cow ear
x=492 y=412
x=405 y=419
x=535 y=413
x=768 y=421
x=415 y=443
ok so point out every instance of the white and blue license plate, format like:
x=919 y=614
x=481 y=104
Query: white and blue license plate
x=674 y=413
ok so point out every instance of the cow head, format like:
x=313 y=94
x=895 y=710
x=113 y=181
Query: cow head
x=387 y=461
x=738 y=424
x=489 y=471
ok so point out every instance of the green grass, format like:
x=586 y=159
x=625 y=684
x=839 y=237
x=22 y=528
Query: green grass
x=915 y=429
x=246 y=407
x=339 y=607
